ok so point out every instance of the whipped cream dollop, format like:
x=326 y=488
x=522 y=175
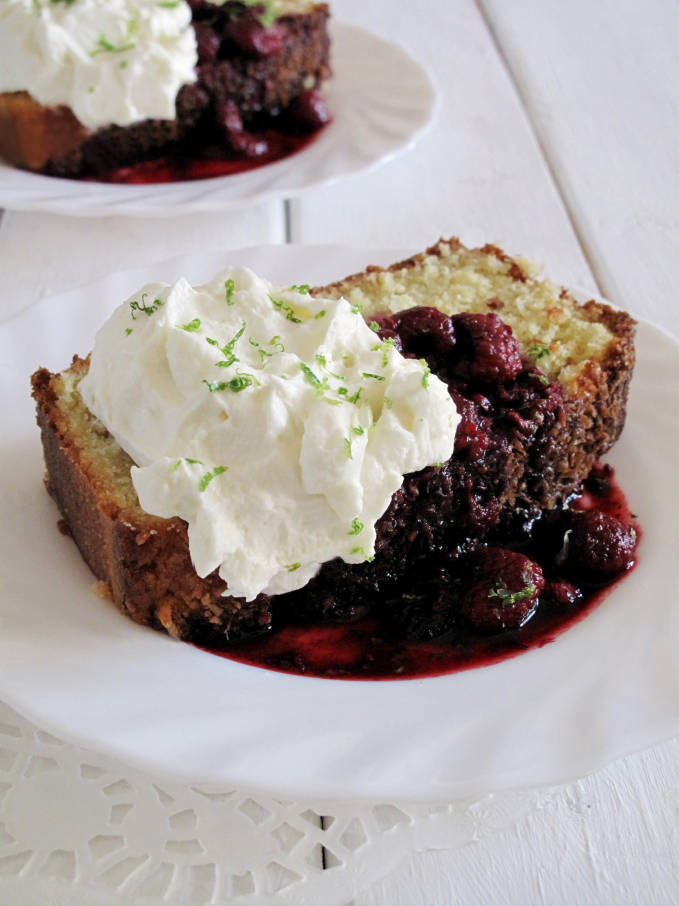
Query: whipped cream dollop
x=278 y=425
x=110 y=61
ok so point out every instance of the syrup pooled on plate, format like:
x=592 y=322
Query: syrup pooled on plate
x=274 y=146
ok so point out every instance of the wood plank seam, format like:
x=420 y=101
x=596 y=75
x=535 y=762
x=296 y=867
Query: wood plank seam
x=543 y=147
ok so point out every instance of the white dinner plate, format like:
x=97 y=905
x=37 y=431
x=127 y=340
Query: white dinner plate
x=381 y=100
x=74 y=665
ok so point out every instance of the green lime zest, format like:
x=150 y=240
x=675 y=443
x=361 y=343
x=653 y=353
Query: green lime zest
x=285 y=309
x=538 y=350
x=143 y=307
x=207 y=478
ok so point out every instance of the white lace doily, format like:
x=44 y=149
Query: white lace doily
x=79 y=828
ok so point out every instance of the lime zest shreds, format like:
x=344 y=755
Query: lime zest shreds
x=291 y=567
x=425 y=374
x=242 y=381
x=215 y=386
x=374 y=377
x=537 y=350
x=267 y=16
x=143 y=307
x=361 y=550
x=229 y=289
x=507 y=598
x=285 y=309
x=227 y=349
x=356 y=526
x=192 y=326
x=319 y=314
x=310 y=376
x=320 y=386
x=236 y=384
x=374 y=326
x=106 y=46
x=207 y=478
x=389 y=343
x=301 y=288
x=347 y=448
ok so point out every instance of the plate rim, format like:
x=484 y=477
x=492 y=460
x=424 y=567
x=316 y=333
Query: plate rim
x=141 y=761
x=133 y=201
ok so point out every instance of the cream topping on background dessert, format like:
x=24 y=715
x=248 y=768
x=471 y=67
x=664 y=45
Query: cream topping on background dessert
x=110 y=61
x=276 y=424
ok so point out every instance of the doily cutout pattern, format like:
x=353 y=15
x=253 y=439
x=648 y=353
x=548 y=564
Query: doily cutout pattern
x=80 y=828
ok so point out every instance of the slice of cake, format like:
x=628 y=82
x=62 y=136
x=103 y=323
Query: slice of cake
x=159 y=78
x=539 y=382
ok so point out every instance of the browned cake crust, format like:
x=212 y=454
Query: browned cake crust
x=32 y=135
x=144 y=560
x=51 y=140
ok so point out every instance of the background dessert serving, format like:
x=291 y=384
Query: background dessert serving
x=90 y=88
x=537 y=410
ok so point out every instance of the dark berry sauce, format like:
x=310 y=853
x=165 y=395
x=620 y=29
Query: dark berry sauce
x=275 y=145
x=369 y=648
x=271 y=145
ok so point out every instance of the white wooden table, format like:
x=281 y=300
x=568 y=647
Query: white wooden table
x=558 y=137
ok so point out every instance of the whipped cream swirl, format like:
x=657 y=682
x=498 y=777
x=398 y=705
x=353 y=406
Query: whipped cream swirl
x=110 y=61
x=278 y=425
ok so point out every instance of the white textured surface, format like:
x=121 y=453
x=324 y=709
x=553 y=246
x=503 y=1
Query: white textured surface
x=125 y=838
x=42 y=255
x=589 y=132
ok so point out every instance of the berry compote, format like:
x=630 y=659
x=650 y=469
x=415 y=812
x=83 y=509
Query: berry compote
x=460 y=577
x=236 y=116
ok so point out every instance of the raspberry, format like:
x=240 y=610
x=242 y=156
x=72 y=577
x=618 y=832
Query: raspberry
x=207 y=41
x=426 y=330
x=599 y=547
x=564 y=593
x=487 y=349
x=309 y=110
x=503 y=591
x=252 y=37
x=228 y=118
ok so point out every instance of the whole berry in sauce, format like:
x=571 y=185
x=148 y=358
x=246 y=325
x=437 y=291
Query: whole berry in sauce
x=503 y=591
x=487 y=349
x=309 y=110
x=425 y=330
x=207 y=42
x=253 y=38
x=228 y=118
x=562 y=592
x=597 y=547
